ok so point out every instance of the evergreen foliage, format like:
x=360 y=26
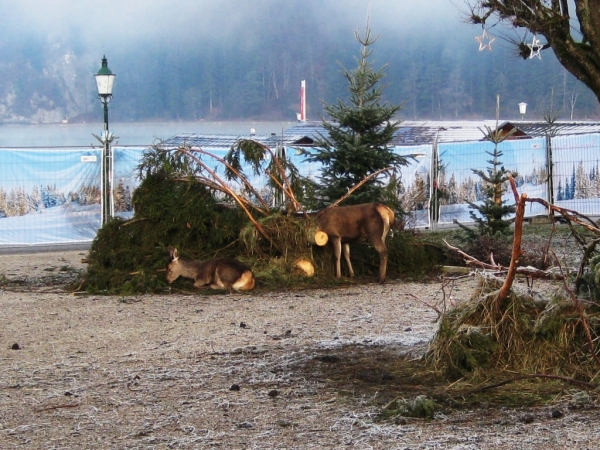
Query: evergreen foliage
x=477 y=340
x=591 y=279
x=282 y=176
x=491 y=232
x=356 y=142
x=175 y=205
x=490 y=215
x=171 y=209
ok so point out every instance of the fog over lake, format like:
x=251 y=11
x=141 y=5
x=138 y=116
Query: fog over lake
x=128 y=133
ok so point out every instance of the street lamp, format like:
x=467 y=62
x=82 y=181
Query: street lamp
x=105 y=80
x=522 y=109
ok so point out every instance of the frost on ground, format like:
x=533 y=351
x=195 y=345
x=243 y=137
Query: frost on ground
x=234 y=371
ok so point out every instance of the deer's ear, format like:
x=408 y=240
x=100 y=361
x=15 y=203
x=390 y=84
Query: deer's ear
x=173 y=253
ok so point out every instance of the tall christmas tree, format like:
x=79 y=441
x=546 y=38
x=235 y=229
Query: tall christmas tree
x=358 y=135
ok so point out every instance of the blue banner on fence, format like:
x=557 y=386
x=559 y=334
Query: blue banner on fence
x=49 y=196
x=125 y=178
x=415 y=184
x=52 y=195
x=576 y=173
x=460 y=185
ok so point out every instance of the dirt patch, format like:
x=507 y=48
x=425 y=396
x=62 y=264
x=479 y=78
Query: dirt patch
x=52 y=270
x=257 y=370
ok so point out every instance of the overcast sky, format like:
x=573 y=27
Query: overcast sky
x=108 y=23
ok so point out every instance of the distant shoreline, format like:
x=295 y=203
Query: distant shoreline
x=144 y=133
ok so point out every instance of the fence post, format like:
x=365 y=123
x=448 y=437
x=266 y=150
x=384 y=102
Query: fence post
x=434 y=201
x=278 y=195
x=550 y=169
x=108 y=210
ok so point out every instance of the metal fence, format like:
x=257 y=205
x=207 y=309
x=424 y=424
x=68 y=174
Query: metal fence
x=53 y=195
x=562 y=170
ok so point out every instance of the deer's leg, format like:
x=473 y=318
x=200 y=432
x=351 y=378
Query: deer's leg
x=383 y=257
x=202 y=282
x=217 y=282
x=337 y=250
x=346 y=248
x=200 y=285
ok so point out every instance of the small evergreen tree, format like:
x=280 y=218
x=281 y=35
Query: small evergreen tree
x=490 y=215
x=356 y=144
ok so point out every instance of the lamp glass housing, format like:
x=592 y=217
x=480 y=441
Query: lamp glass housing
x=522 y=108
x=105 y=80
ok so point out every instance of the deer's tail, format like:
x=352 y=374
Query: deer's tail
x=245 y=282
x=388 y=217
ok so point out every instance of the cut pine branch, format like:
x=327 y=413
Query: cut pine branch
x=498 y=269
x=238 y=199
x=224 y=186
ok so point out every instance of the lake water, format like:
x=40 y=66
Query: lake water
x=128 y=133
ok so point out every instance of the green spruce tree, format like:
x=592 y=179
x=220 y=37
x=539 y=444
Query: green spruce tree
x=357 y=138
x=490 y=215
x=491 y=234
x=490 y=237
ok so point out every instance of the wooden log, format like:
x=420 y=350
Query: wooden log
x=305 y=267
x=321 y=238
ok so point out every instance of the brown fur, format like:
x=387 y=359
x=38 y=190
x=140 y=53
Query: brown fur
x=223 y=273
x=356 y=223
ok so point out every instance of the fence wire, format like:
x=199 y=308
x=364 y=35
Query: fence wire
x=52 y=195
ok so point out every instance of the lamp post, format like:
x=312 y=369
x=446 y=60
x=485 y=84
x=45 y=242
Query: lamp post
x=105 y=80
x=522 y=109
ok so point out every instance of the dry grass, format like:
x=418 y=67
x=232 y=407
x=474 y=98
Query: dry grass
x=294 y=369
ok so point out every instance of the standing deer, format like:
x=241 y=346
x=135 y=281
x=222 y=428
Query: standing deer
x=224 y=273
x=356 y=223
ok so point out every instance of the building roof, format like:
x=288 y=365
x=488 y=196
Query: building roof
x=426 y=132
x=227 y=140
x=409 y=133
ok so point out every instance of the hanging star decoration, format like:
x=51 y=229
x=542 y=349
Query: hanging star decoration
x=485 y=41
x=535 y=47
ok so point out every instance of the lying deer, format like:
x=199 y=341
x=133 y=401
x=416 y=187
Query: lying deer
x=224 y=273
x=356 y=223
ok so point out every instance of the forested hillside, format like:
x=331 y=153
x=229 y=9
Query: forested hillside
x=254 y=72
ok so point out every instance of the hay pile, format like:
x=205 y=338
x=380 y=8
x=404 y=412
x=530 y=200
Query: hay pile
x=551 y=337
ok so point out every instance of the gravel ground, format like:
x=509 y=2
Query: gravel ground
x=235 y=371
